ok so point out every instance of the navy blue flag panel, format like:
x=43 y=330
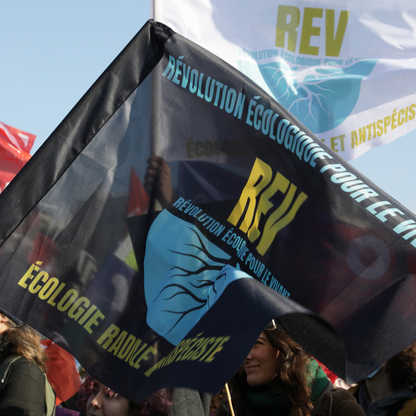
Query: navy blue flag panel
x=177 y=209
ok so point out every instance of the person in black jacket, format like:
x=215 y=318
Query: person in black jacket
x=23 y=392
x=278 y=377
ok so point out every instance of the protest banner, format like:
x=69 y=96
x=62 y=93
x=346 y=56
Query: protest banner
x=345 y=69
x=177 y=209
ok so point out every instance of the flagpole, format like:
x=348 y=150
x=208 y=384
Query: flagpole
x=229 y=399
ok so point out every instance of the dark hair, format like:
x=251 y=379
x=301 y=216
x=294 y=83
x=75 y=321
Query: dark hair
x=158 y=404
x=217 y=400
x=291 y=381
x=401 y=368
x=21 y=339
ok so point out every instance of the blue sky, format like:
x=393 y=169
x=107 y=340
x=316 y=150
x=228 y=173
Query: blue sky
x=52 y=52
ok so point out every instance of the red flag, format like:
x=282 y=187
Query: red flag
x=15 y=146
x=62 y=371
x=138 y=198
x=44 y=248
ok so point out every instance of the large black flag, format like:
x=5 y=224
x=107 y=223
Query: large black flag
x=177 y=209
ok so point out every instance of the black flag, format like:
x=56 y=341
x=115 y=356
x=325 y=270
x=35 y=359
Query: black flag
x=177 y=209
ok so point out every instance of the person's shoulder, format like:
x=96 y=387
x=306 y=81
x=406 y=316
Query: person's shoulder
x=341 y=402
x=23 y=391
x=27 y=365
x=27 y=370
x=342 y=394
x=345 y=403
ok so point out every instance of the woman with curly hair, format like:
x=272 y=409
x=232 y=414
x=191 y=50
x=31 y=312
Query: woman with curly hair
x=278 y=378
x=99 y=400
x=23 y=390
x=391 y=390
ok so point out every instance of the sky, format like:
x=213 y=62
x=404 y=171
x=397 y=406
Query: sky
x=53 y=51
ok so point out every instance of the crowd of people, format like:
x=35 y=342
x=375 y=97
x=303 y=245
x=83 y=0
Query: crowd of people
x=278 y=377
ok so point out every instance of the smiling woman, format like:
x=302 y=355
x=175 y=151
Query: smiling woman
x=278 y=377
x=263 y=362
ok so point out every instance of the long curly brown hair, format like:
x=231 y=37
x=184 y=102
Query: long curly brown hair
x=158 y=404
x=24 y=341
x=401 y=368
x=291 y=381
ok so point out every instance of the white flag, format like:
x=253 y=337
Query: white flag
x=345 y=69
